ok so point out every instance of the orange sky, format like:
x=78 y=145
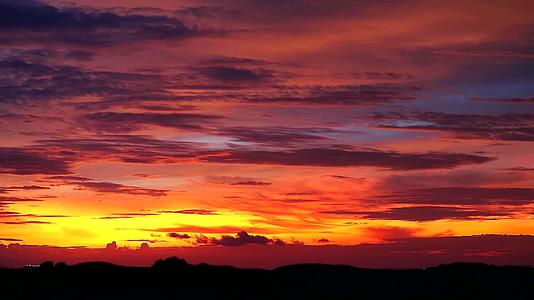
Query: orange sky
x=182 y=123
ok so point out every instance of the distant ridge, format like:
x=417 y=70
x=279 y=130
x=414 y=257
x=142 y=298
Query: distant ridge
x=174 y=278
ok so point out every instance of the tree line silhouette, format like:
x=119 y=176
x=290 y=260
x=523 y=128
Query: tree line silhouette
x=174 y=278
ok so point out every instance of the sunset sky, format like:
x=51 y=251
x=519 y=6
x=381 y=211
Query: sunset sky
x=194 y=125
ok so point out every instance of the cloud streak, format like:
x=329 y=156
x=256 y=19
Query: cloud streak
x=127 y=122
x=465 y=196
x=432 y=213
x=328 y=157
x=506 y=127
x=24 y=22
x=23 y=162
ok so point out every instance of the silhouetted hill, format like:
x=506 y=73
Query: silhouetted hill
x=174 y=278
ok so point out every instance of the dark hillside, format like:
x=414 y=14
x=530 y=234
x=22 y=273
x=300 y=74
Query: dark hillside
x=174 y=278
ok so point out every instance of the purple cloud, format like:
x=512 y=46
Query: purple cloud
x=331 y=157
x=23 y=162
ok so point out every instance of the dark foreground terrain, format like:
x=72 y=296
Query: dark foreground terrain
x=173 y=278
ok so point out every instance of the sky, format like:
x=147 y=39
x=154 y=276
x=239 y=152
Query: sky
x=258 y=133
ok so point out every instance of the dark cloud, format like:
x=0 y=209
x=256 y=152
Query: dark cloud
x=342 y=95
x=507 y=127
x=125 y=216
x=110 y=187
x=487 y=72
x=382 y=76
x=25 y=22
x=26 y=80
x=201 y=239
x=126 y=122
x=233 y=74
x=232 y=180
x=332 y=157
x=42 y=54
x=421 y=180
x=29 y=187
x=207 y=12
x=232 y=60
x=526 y=100
x=83 y=183
x=505 y=56
x=161 y=107
x=204 y=212
x=180 y=236
x=24 y=222
x=519 y=169
x=275 y=136
x=31 y=81
x=143 y=175
x=240 y=239
x=14 y=214
x=23 y=162
x=300 y=193
x=10 y=240
x=69 y=178
x=113 y=217
x=343 y=177
x=7 y=189
x=143 y=149
x=9 y=214
x=282 y=14
x=111 y=246
x=124 y=148
x=10 y=119
x=45 y=216
x=431 y=213
x=464 y=196
x=10 y=199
